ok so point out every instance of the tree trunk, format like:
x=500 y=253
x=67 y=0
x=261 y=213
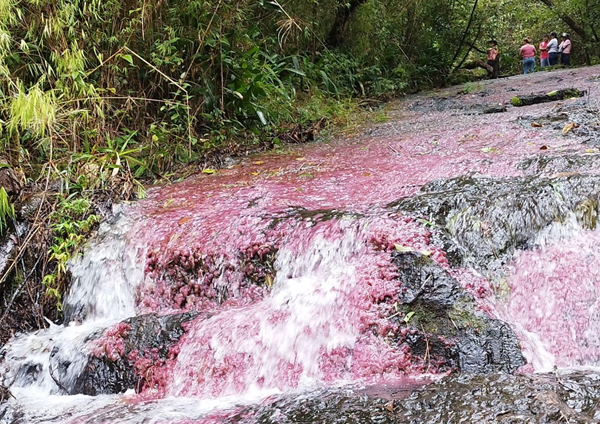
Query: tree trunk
x=532 y=99
x=342 y=15
x=575 y=27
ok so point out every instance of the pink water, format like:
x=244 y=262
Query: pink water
x=293 y=301
x=258 y=341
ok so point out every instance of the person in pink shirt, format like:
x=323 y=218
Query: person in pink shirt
x=544 y=56
x=528 y=54
x=565 y=49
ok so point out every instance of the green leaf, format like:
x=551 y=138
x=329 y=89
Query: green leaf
x=128 y=58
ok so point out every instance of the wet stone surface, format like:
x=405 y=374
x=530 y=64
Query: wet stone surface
x=444 y=324
x=498 y=398
x=125 y=356
x=482 y=221
x=562 y=164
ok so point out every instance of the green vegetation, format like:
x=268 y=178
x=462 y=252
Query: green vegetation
x=515 y=101
x=7 y=210
x=70 y=223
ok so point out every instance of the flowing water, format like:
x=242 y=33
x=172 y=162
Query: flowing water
x=284 y=267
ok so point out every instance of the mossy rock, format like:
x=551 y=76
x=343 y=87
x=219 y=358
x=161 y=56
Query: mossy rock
x=515 y=101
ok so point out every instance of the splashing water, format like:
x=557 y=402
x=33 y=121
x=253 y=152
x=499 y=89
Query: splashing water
x=290 y=301
x=555 y=298
x=49 y=362
x=281 y=340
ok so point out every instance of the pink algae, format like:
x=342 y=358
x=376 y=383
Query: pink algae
x=212 y=242
x=236 y=349
x=111 y=344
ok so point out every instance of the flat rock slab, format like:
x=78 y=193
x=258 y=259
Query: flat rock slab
x=547 y=398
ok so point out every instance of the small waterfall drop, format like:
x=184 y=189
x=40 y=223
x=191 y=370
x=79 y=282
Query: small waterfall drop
x=282 y=340
x=104 y=280
x=49 y=362
x=552 y=297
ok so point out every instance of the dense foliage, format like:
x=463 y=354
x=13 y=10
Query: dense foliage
x=99 y=95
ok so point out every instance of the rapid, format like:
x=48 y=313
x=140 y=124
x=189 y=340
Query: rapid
x=372 y=266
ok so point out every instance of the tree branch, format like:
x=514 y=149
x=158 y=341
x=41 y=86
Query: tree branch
x=575 y=27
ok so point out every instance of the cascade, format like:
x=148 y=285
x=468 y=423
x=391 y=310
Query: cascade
x=322 y=276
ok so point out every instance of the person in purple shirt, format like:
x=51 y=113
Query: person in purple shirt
x=528 y=54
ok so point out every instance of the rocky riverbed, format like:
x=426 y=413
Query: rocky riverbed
x=418 y=272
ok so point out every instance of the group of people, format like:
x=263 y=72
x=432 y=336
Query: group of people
x=550 y=52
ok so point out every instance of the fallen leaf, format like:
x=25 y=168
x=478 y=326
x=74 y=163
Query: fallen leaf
x=300 y=159
x=258 y=162
x=590 y=151
x=544 y=147
x=488 y=150
x=390 y=406
x=401 y=248
x=563 y=174
x=208 y=171
x=268 y=280
x=367 y=174
x=184 y=219
x=255 y=173
x=568 y=127
x=536 y=125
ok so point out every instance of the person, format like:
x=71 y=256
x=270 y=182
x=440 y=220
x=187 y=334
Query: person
x=493 y=59
x=553 y=49
x=565 y=49
x=528 y=54
x=544 y=52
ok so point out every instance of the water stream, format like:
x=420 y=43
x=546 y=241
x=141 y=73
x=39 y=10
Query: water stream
x=284 y=273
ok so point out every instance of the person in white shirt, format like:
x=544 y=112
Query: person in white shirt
x=552 y=49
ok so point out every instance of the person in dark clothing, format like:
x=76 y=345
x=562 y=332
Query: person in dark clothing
x=493 y=56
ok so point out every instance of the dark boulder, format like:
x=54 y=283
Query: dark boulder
x=481 y=221
x=495 y=398
x=146 y=336
x=444 y=323
x=532 y=99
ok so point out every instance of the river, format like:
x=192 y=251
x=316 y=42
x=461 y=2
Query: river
x=447 y=248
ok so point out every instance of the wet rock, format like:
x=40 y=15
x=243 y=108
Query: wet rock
x=494 y=109
x=148 y=337
x=531 y=99
x=4 y=393
x=11 y=179
x=490 y=399
x=444 y=323
x=555 y=165
x=578 y=118
x=486 y=219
